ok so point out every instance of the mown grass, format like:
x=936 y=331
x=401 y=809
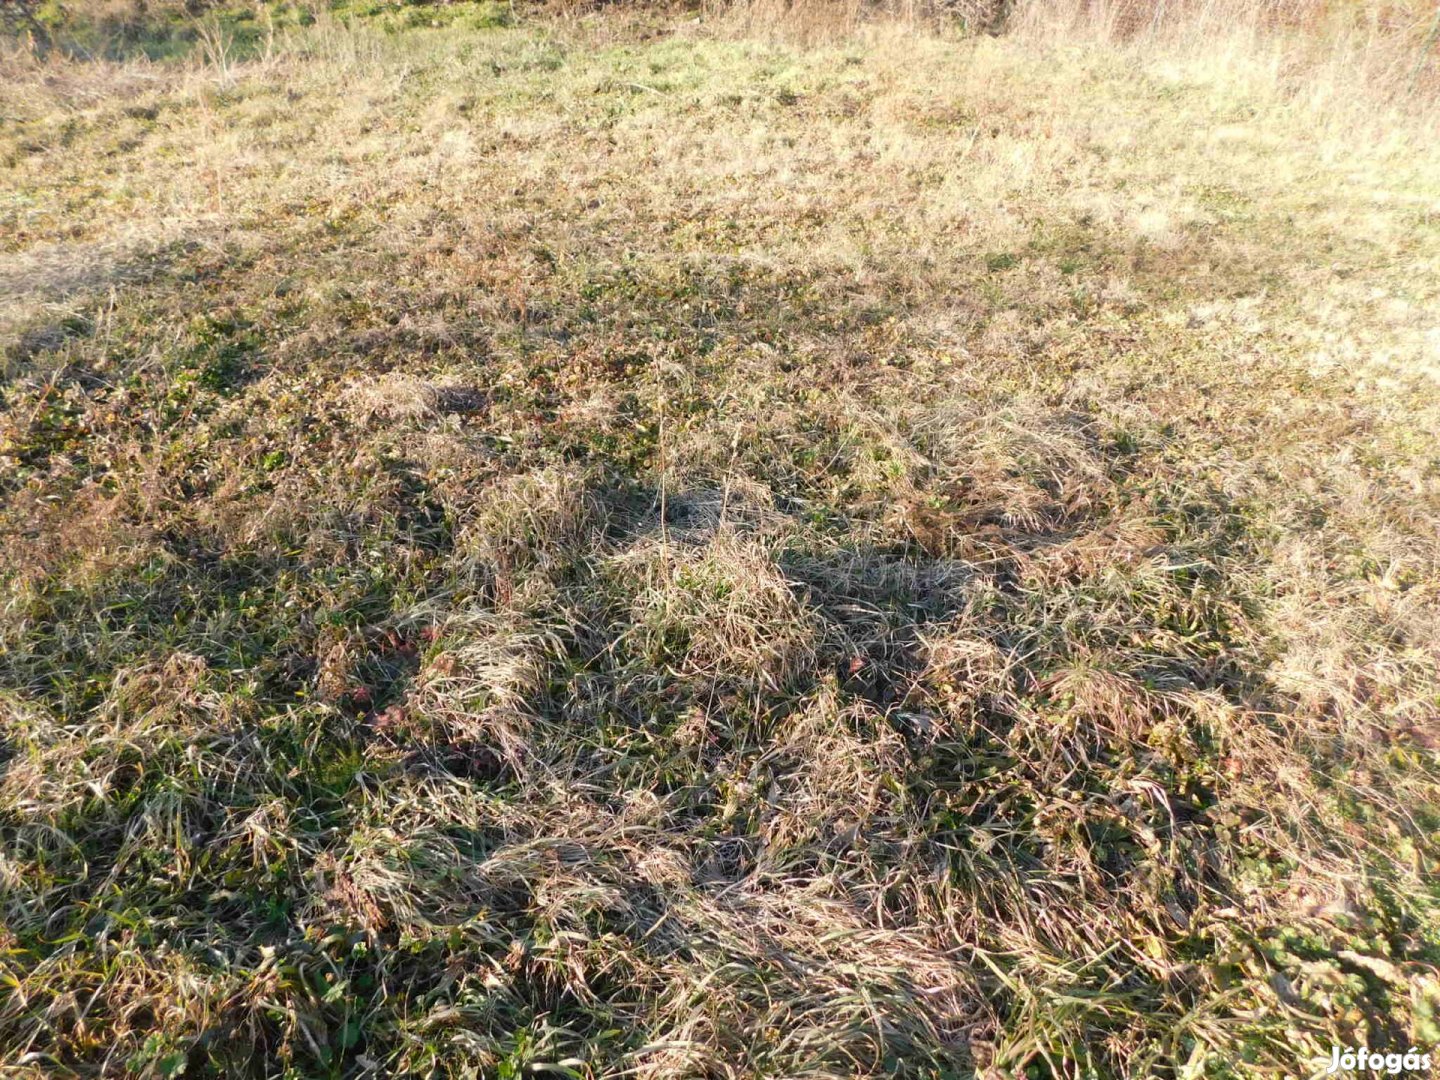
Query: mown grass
x=604 y=547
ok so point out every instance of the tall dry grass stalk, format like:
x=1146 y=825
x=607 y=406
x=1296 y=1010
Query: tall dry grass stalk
x=805 y=21
x=816 y=21
x=1333 y=54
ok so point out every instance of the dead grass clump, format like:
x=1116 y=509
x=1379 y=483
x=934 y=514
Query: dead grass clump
x=150 y=712
x=398 y=396
x=478 y=693
x=724 y=611
x=832 y=773
x=536 y=521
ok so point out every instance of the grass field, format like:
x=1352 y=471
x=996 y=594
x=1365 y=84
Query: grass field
x=611 y=545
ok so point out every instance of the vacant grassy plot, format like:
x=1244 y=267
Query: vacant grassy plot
x=607 y=548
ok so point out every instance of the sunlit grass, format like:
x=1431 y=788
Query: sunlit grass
x=625 y=545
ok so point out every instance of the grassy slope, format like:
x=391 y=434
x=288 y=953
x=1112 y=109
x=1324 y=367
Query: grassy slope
x=659 y=552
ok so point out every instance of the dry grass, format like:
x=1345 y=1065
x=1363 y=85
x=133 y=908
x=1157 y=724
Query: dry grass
x=623 y=546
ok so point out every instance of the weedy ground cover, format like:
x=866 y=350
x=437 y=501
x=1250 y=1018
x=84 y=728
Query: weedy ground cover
x=615 y=546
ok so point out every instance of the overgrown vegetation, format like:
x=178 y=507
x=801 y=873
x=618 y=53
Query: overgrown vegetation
x=605 y=544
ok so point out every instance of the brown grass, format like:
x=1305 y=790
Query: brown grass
x=615 y=545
